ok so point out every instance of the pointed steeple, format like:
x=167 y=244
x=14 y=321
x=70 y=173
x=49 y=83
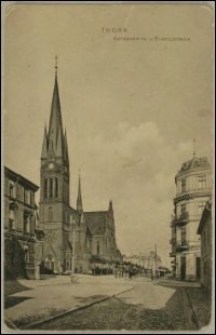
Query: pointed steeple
x=79 y=198
x=59 y=144
x=51 y=152
x=44 y=146
x=66 y=147
x=55 y=115
x=55 y=137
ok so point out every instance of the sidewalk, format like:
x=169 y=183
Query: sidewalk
x=202 y=305
x=51 y=296
x=171 y=281
x=200 y=300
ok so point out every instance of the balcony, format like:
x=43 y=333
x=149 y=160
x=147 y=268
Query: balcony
x=178 y=246
x=173 y=241
x=181 y=220
x=193 y=193
x=183 y=246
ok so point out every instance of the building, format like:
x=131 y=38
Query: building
x=205 y=231
x=22 y=232
x=72 y=234
x=150 y=260
x=193 y=188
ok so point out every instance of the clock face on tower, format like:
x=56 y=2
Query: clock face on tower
x=51 y=166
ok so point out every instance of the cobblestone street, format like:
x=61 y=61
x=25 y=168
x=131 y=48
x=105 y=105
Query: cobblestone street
x=106 y=302
x=147 y=307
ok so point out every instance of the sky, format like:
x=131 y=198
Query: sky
x=131 y=108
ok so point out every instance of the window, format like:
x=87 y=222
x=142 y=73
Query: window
x=12 y=190
x=202 y=181
x=45 y=187
x=201 y=207
x=183 y=185
x=173 y=233
x=98 y=248
x=26 y=253
x=27 y=196
x=50 y=214
x=183 y=208
x=51 y=188
x=183 y=236
x=56 y=187
x=11 y=220
x=26 y=223
x=32 y=198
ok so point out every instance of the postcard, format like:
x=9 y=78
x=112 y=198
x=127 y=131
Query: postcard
x=108 y=199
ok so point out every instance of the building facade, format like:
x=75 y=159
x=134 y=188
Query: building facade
x=72 y=235
x=193 y=188
x=205 y=231
x=23 y=236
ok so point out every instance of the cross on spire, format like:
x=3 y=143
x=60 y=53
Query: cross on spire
x=56 y=64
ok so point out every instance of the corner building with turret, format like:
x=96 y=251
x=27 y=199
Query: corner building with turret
x=193 y=189
x=72 y=235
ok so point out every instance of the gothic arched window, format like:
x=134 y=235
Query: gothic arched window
x=51 y=188
x=56 y=187
x=45 y=187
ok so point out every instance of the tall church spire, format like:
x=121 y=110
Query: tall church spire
x=79 y=198
x=55 y=136
x=66 y=147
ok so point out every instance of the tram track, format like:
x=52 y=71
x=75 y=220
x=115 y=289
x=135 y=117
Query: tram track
x=33 y=325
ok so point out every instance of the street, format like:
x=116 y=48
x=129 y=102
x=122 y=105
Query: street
x=103 y=302
x=146 y=307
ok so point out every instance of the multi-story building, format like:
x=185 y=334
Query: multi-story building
x=23 y=235
x=72 y=235
x=205 y=231
x=193 y=188
x=149 y=260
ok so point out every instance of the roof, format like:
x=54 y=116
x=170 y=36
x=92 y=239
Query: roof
x=75 y=214
x=15 y=175
x=96 y=222
x=195 y=164
x=205 y=216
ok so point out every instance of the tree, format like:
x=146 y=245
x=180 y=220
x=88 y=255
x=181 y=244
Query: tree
x=94 y=259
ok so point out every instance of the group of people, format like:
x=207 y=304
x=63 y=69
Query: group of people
x=125 y=271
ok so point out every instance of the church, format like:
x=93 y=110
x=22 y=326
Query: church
x=73 y=237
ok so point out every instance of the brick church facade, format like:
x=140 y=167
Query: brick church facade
x=72 y=235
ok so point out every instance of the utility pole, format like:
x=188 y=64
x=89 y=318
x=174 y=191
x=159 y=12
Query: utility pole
x=155 y=256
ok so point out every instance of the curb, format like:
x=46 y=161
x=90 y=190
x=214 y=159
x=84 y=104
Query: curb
x=193 y=309
x=50 y=318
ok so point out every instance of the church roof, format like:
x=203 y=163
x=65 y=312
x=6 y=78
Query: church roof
x=195 y=164
x=96 y=222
